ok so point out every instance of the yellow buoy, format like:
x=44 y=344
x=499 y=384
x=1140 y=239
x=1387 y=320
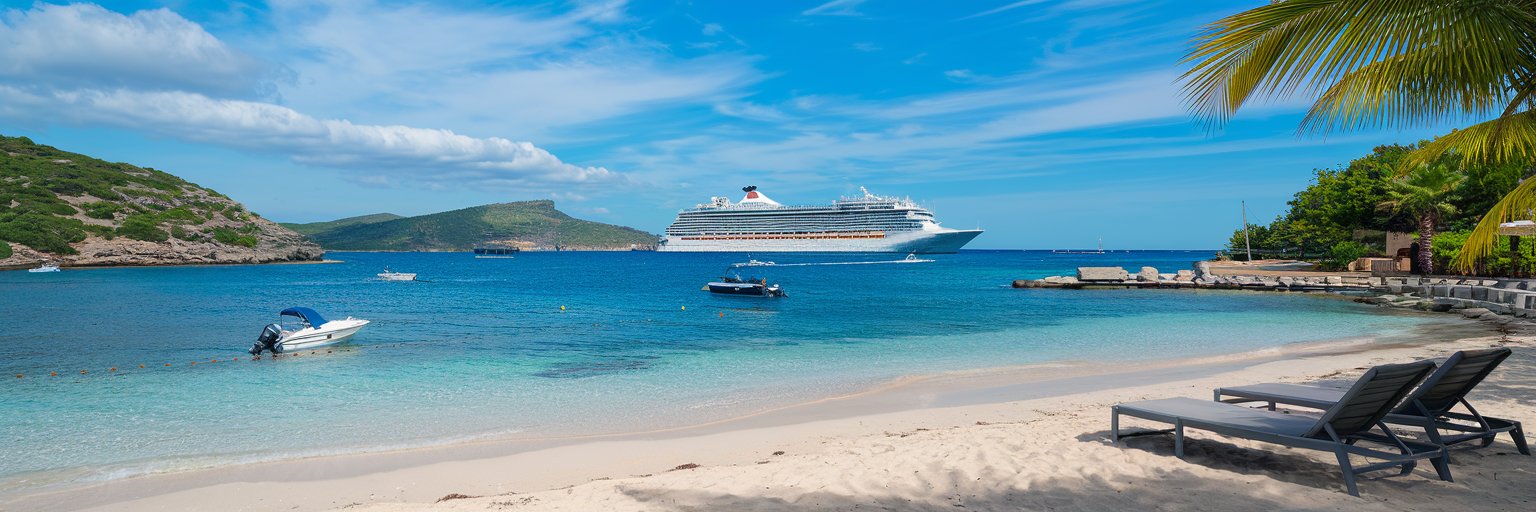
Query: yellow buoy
x=685 y=308
x=562 y=307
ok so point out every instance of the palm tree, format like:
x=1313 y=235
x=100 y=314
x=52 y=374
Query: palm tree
x=1422 y=194
x=1386 y=63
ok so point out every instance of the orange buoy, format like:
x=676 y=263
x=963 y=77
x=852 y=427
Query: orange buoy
x=53 y=374
x=237 y=359
x=141 y=366
x=18 y=375
x=167 y=364
x=112 y=369
x=214 y=361
x=722 y=314
x=194 y=363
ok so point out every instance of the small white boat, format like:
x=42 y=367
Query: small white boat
x=755 y=263
x=387 y=275
x=309 y=331
x=45 y=267
x=912 y=258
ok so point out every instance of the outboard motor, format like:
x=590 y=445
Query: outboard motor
x=268 y=340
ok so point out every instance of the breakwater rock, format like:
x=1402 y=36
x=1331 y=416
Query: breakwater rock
x=1473 y=297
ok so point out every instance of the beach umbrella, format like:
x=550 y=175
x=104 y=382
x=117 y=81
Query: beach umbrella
x=1518 y=228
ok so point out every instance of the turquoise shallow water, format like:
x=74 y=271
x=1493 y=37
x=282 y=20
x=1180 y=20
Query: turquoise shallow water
x=482 y=348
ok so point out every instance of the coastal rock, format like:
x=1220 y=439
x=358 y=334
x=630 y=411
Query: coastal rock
x=1102 y=274
x=1060 y=280
x=1475 y=312
x=1374 y=300
x=1147 y=274
x=1185 y=276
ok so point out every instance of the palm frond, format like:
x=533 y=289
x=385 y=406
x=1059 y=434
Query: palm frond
x=1279 y=48
x=1519 y=204
x=1504 y=139
x=1421 y=88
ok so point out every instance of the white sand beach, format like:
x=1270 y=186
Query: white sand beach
x=1030 y=438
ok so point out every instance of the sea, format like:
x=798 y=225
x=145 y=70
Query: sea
x=116 y=372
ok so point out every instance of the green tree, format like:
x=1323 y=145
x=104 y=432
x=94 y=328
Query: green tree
x=1423 y=194
x=1387 y=63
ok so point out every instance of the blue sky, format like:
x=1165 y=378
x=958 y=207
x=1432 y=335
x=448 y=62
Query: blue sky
x=1049 y=123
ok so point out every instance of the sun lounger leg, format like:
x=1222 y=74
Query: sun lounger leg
x=1442 y=464
x=1178 y=438
x=1349 y=473
x=1114 y=424
x=1519 y=434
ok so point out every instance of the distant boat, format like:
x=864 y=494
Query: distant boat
x=496 y=251
x=310 y=331
x=754 y=263
x=45 y=267
x=387 y=275
x=1100 y=251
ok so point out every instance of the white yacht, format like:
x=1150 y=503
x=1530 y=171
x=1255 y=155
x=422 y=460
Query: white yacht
x=388 y=275
x=309 y=330
x=869 y=223
x=45 y=267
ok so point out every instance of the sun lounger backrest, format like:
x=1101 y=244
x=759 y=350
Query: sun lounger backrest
x=1371 y=398
x=1455 y=378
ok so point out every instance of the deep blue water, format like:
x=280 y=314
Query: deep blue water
x=482 y=348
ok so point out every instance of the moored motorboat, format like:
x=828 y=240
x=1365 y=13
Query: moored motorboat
x=388 y=275
x=753 y=287
x=45 y=267
x=310 y=330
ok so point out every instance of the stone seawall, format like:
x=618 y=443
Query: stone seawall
x=1504 y=296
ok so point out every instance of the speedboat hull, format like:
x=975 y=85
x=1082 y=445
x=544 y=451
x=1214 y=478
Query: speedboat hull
x=746 y=289
x=397 y=276
x=332 y=332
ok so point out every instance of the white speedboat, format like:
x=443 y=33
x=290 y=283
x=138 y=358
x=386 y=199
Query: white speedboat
x=387 y=275
x=46 y=267
x=310 y=330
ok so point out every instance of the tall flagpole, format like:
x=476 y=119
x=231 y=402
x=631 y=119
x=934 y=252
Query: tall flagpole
x=1246 y=245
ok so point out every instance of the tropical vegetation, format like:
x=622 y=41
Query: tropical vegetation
x=1389 y=63
x=1345 y=213
x=51 y=200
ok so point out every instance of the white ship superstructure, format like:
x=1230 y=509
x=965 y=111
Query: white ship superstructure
x=868 y=223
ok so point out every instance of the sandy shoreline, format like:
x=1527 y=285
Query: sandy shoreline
x=819 y=441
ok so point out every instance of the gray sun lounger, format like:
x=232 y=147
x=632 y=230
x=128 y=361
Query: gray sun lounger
x=1428 y=407
x=1340 y=427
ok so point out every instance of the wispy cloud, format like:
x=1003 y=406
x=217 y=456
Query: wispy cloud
x=866 y=47
x=353 y=95
x=835 y=8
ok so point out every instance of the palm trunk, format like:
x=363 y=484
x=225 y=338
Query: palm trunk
x=1427 y=244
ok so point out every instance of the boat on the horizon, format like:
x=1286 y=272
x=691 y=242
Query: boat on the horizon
x=867 y=223
x=496 y=251
x=45 y=267
x=388 y=275
x=309 y=331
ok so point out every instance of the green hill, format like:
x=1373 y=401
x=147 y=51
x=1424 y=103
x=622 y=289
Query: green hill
x=528 y=224
x=78 y=210
x=320 y=227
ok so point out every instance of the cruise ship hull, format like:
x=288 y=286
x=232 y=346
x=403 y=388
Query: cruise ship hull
x=920 y=241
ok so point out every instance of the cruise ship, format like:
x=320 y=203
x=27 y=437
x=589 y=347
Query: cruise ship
x=869 y=223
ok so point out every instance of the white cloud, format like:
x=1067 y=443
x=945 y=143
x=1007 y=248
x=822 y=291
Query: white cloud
x=427 y=155
x=914 y=59
x=835 y=8
x=86 y=45
x=866 y=47
x=360 y=91
x=712 y=29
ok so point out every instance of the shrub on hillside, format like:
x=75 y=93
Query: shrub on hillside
x=142 y=227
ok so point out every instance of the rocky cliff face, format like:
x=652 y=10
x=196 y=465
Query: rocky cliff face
x=75 y=210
